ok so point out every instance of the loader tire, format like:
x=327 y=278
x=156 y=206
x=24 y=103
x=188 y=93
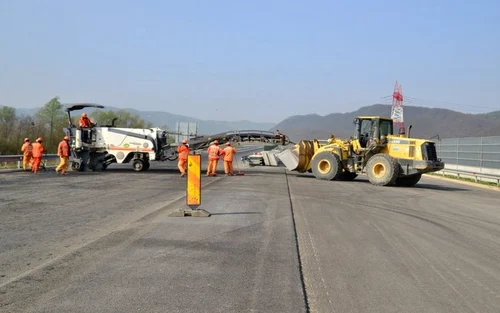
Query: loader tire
x=382 y=170
x=326 y=166
x=408 y=181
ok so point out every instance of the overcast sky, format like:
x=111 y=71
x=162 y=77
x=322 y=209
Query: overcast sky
x=258 y=60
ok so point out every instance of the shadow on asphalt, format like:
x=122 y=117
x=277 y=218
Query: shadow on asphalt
x=149 y=171
x=235 y=213
x=419 y=185
x=437 y=187
x=303 y=175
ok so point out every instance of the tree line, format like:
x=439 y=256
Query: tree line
x=49 y=121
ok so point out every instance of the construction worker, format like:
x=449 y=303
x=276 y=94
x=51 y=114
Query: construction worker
x=229 y=152
x=27 y=149
x=85 y=121
x=63 y=153
x=183 y=151
x=38 y=151
x=214 y=153
x=280 y=136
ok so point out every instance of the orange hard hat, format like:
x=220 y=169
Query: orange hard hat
x=26 y=139
x=84 y=114
x=66 y=138
x=39 y=139
x=184 y=141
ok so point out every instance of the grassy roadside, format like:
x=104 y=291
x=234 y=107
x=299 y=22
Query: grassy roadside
x=465 y=179
x=13 y=165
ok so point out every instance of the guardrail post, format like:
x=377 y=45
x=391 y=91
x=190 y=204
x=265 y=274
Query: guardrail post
x=481 y=157
x=18 y=164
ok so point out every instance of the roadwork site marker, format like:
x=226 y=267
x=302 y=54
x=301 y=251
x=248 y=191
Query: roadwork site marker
x=193 y=189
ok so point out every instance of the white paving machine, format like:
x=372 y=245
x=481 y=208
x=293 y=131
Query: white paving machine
x=95 y=148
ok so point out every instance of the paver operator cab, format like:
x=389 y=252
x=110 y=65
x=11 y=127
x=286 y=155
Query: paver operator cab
x=386 y=159
x=94 y=148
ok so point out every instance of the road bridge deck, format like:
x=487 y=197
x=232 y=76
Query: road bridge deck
x=103 y=242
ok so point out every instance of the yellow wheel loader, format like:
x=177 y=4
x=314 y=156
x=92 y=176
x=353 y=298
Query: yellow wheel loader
x=387 y=159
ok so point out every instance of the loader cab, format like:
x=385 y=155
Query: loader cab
x=372 y=128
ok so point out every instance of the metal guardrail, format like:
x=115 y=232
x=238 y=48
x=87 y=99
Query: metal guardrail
x=19 y=158
x=478 y=177
x=479 y=152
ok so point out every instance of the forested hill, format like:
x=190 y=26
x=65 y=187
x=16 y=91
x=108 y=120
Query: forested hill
x=426 y=122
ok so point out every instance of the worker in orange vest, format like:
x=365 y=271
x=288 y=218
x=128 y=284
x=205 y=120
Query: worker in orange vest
x=63 y=153
x=38 y=151
x=85 y=121
x=183 y=151
x=214 y=153
x=229 y=152
x=27 y=149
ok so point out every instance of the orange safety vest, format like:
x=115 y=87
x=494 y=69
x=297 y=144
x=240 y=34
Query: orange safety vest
x=85 y=122
x=228 y=153
x=183 y=152
x=213 y=152
x=27 y=148
x=38 y=150
x=63 y=149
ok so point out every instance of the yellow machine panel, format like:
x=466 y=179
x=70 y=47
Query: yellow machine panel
x=374 y=150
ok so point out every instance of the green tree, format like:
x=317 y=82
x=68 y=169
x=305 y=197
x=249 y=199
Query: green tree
x=51 y=119
x=8 y=121
x=124 y=119
x=25 y=129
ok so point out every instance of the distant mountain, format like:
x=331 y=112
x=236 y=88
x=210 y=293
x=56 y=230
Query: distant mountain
x=160 y=118
x=205 y=127
x=426 y=122
x=492 y=115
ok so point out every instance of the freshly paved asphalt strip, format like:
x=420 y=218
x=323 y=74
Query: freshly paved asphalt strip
x=431 y=248
x=103 y=242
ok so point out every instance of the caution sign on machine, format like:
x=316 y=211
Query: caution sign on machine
x=193 y=186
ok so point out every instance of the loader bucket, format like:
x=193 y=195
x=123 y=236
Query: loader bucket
x=298 y=157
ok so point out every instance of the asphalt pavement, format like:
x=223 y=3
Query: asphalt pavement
x=104 y=242
x=431 y=248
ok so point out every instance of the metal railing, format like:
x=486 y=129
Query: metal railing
x=471 y=154
x=4 y=159
x=477 y=177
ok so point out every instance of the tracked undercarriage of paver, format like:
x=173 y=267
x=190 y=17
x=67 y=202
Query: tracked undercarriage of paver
x=386 y=159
